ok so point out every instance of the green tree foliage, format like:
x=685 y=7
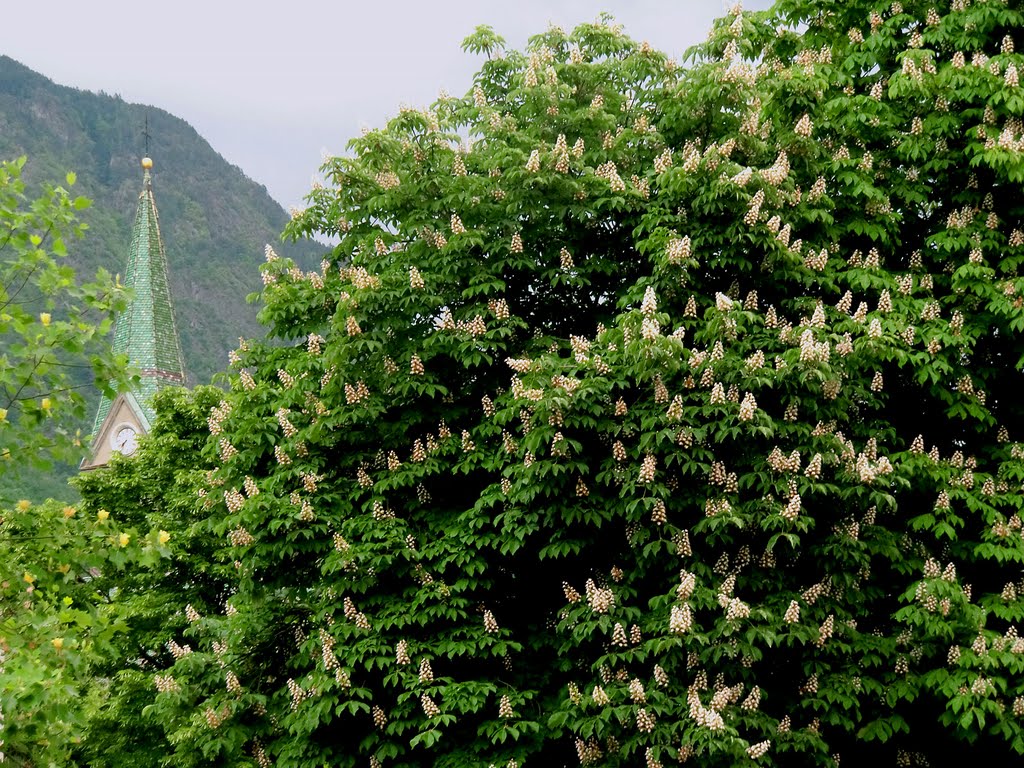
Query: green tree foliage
x=85 y=594
x=642 y=415
x=59 y=576
x=156 y=490
x=51 y=326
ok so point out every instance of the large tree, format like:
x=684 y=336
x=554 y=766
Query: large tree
x=642 y=413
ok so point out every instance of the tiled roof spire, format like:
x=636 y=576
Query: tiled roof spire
x=146 y=331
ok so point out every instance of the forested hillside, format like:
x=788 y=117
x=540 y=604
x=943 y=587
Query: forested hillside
x=214 y=219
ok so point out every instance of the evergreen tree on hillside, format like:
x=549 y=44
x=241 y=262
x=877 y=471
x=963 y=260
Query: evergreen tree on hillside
x=643 y=414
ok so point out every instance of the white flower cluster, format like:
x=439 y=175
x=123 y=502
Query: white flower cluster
x=430 y=709
x=705 y=717
x=490 y=623
x=601 y=600
x=748 y=407
x=759 y=750
x=166 y=684
x=680 y=619
x=609 y=172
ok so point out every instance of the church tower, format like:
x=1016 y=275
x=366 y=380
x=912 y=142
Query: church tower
x=145 y=332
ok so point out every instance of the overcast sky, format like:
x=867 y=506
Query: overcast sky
x=273 y=86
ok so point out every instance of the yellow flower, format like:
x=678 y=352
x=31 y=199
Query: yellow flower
x=24 y=505
x=69 y=511
x=163 y=537
x=58 y=642
x=46 y=404
x=3 y=414
x=44 y=318
x=102 y=515
x=29 y=578
x=123 y=539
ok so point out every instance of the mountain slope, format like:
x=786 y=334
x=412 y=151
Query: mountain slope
x=214 y=220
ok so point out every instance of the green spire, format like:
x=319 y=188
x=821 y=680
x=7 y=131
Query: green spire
x=146 y=332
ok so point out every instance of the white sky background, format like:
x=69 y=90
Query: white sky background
x=273 y=86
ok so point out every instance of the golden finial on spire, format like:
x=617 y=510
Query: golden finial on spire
x=147 y=163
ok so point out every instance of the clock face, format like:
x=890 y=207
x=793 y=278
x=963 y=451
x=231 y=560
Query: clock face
x=125 y=440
